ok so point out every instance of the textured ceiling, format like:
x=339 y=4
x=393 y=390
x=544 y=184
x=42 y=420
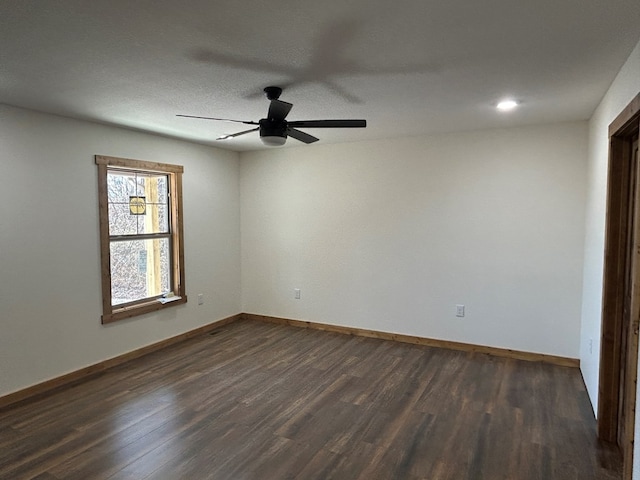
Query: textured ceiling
x=409 y=67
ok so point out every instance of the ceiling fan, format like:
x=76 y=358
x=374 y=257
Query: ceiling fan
x=274 y=129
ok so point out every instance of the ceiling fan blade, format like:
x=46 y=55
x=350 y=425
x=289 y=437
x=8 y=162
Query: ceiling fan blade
x=224 y=137
x=303 y=137
x=278 y=110
x=220 y=119
x=328 y=123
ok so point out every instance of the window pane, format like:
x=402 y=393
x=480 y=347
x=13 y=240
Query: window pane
x=121 y=222
x=120 y=186
x=139 y=269
x=153 y=187
x=138 y=203
x=163 y=215
x=155 y=220
x=160 y=182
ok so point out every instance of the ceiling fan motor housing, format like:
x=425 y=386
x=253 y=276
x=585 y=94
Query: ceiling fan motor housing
x=270 y=131
x=269 y=128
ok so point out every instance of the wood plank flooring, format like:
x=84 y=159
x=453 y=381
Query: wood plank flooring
x=271 y=402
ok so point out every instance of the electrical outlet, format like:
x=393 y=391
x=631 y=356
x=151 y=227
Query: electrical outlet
x=459 y=310
x=200 y=299
x=296 y=293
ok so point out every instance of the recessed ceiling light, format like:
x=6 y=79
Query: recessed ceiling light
x=506 y=105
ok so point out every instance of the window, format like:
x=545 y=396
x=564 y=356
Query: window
x=141 y=237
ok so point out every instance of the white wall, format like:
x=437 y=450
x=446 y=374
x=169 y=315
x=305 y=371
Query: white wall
x=625 y=87
x=50 y=291
x=390 y=235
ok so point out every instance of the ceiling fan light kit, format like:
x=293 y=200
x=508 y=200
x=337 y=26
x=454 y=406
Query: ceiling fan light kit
x=273 y=140
x=274 y=129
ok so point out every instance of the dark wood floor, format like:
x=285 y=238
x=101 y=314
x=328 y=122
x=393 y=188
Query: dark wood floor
x=270 y=402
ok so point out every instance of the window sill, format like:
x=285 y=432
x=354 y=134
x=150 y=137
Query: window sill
x=141 y=309
x=173 y=298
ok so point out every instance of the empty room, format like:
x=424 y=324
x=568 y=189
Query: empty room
x=307 y=240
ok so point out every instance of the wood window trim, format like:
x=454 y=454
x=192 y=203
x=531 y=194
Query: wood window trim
x=109 y=313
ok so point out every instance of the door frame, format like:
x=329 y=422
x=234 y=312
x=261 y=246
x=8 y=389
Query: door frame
x=620 y=184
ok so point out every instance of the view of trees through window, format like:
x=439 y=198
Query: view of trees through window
x=139 y=235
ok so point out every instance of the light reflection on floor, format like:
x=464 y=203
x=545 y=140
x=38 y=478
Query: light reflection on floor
x=157 y=409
